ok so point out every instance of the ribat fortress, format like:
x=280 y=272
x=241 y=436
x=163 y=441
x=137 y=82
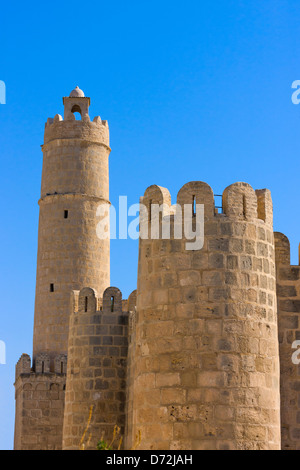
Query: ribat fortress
x=199 y=357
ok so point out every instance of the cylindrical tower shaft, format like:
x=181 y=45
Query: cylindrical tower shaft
x=206 y=363
x=75 y=182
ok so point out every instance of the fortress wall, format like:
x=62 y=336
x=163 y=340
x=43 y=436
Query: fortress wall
x=288 y=295
x=97 y=364
x=206 y=349
x=39 y=397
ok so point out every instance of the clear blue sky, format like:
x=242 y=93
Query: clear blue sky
x=194 y=90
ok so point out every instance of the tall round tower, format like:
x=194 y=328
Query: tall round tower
x=75 y=182
x=206 y=361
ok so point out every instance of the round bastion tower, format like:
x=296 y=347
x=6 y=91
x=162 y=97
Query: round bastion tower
x=75 y=182
x=205 y=352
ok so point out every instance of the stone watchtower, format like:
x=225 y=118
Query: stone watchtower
x=75 y=182
x=70 y=256
x=204 y=359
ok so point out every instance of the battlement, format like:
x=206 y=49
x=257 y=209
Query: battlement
x=86 y=118
x=41 y=365
x=283 y=250
x=110 y=309
x=96 y=131
x=239 y=201
x=111 y=306
x=87 y=301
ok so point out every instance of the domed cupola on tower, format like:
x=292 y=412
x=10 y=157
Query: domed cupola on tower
x=77 y=102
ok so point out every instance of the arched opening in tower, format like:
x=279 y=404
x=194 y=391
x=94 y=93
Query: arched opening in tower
x=76 y=110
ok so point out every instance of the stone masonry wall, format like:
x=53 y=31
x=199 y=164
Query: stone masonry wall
x=288 y=295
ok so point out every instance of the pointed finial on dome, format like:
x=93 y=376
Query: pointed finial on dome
x=77 y=93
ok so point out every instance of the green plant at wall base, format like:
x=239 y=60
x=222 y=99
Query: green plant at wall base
x=103 y=445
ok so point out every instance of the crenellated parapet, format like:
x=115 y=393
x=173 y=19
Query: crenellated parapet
x=239 y=201
x=97 y=365
x=41 y=365
x=238 y=244
x=288 y=300
x=95 y=131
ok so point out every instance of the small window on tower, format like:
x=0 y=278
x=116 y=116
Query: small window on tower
x=244 y=206
x=66 y=214
x=51 y=287
x=150 y=210
x=194 y=206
